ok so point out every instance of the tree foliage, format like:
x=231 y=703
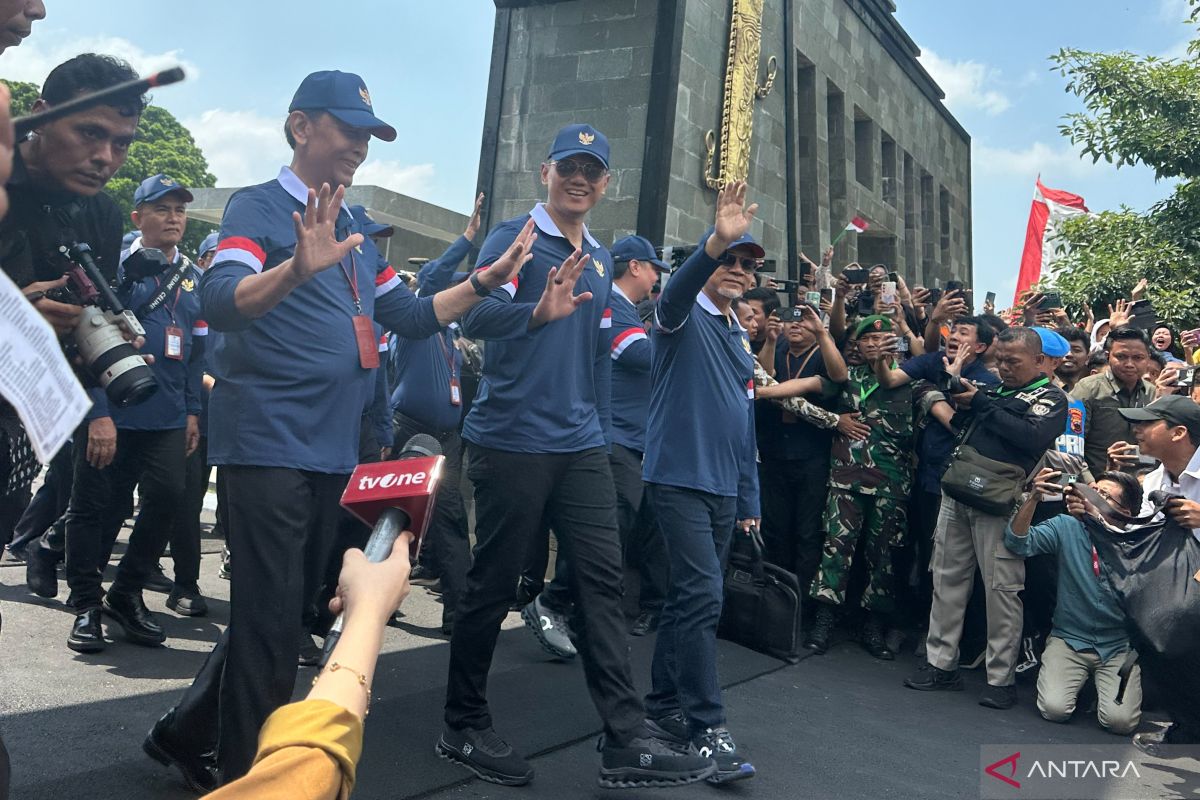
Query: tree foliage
x=162 y=144
x=1138 y=110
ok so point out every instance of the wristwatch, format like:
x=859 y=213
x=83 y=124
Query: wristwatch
x=478 y=286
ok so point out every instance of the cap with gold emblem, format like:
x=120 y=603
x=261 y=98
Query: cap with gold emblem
x=344 y=96
x=157 y=186
x=580 y=139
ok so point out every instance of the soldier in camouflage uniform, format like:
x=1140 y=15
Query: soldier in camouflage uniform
x=868 y=490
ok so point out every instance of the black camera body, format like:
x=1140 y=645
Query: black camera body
x=1185 y=378
x=98 y=339
x=146 y=262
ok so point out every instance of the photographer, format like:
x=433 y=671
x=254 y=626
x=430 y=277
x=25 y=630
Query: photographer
x=1169 y=430
x=1007 y=429
x=1088 y=638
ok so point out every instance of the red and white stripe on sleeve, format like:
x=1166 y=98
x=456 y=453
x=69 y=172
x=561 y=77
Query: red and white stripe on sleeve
x=510 y=287
x=386 y=280
x=625 y=338
x=199 y=328
x=606 y=318
x=242 y=251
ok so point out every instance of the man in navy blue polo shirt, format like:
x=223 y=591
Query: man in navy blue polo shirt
x=293 y=291
x=536 y=438
x=428 y=399
x=701 y=474
x=154 y=437
x=636 y=270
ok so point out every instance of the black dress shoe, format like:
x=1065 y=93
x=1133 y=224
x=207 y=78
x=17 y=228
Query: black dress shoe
x=157 y=581
x=187 y=603
x=86 y=635
x=198 y=769
x=40 y=572
x=130 y=612
x=646 y=622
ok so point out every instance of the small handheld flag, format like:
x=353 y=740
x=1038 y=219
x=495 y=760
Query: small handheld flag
x=858 y=225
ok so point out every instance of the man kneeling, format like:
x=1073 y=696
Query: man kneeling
x=1088 y=638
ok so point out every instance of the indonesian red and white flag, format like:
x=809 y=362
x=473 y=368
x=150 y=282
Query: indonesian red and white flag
x=858 y=225
x=1050 y=207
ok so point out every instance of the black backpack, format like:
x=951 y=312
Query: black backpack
x=762 y=602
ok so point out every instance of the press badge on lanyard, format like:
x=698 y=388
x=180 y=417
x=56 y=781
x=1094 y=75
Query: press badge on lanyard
x=364 y=328
x=455 y=386
x=173 y=347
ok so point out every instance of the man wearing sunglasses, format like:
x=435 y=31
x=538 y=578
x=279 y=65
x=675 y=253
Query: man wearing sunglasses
x=701 y=474
x=536 y=436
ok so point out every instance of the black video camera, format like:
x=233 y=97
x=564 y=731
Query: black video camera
x=144 y=263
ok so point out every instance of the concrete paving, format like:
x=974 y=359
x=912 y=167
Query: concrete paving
x=835 y=726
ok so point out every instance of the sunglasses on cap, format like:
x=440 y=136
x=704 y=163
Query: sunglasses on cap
x=592 y=170
x=731 y=260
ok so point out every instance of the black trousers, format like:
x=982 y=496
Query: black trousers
x=50 y=501
x=447 y=539
x=910 y=565
x=185 y=534
x=513 y=492
x=641 y=540
x=793 y=493
x=281 y=525
x=102 y=499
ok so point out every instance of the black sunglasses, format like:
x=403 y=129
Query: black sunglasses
x=592 y=170
x=731 y=260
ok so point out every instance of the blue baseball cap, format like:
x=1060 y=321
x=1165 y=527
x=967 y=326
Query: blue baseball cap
x=209 y=243
x=1053 y=344
x=370 y=226
x=575 y=139
x=157 y=186
x=745 y=240
x=639 y=248
x=345 y=96
x=129 y=239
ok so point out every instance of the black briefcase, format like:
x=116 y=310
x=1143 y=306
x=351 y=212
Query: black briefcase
x=762 y=602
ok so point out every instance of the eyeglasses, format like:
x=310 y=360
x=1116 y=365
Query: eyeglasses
x=731 y=260
x=1112 y=500
x=592 y=170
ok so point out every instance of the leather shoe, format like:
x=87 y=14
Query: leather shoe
x=198 y=769
x=86 y=634
x=40 y=573
x=646 y=622
x=157 y=581
x=187 y=603
x=130 y=612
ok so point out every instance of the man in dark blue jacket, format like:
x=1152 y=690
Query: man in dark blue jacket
x=536 y=435
x=293 y=291
x=700 y=467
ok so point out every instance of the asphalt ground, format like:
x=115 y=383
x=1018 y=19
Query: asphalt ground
x=834 y=726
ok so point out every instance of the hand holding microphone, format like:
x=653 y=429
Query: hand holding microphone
x=373 y=590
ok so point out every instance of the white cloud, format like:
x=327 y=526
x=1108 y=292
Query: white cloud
x=1174 y=10
x=39 y=54
x=1051 y=162
x=967 y=84
x=414 y=180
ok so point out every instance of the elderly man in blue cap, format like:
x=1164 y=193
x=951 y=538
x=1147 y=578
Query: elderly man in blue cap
x=292 y=268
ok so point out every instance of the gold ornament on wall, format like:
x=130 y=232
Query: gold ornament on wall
x=741 y=90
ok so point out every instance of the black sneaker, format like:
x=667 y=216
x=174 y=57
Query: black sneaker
x=717 y=744
x=646 y=623
x=41 y=571
x=486 y=754
x=187 y=602
x=157 y=581
x=649 y=761
x=421 y=575
x=672 y=730
x=226 y=563
x=550 y=628
x=929 y=678
x=1000 y=697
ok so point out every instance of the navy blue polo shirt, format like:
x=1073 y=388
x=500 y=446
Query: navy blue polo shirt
x=425 y=367
x=290 y=391
x=781 y=434
x=936 y=443
x=546 y=390
x=179 y=384
x=630 y=347
x=700 y=433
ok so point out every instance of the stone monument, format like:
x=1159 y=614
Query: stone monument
x=820 y=104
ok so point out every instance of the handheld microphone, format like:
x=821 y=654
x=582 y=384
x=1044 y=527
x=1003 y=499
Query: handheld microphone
x=135 y=88
x=392 y=497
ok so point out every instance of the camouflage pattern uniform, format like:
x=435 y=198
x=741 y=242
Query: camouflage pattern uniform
x=869 y=483
x=802 y=408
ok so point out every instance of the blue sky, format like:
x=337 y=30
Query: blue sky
x=426 y=66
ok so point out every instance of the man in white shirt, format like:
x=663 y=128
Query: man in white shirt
x=1169 y=429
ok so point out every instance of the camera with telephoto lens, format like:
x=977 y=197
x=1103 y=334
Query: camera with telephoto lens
x=98 y=339
x=954 y=384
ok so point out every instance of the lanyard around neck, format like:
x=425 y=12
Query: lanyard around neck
x=1039 y=383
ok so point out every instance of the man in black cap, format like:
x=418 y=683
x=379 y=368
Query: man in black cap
x=292 y=267
x=1169 y=430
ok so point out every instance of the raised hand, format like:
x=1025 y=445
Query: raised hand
x=827 y=257
x=1119 y=315
x=558 y=298
x=508 y=266
x=473 y=222
x=733 y=218
x=317 y=247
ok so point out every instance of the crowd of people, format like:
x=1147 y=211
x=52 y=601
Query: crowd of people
x=912 y=459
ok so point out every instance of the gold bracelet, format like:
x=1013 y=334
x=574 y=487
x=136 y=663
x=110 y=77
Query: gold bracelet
x=362 y=681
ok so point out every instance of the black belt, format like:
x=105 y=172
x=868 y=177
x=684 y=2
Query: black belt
x=407 y=421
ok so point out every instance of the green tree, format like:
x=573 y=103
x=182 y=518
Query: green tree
x=1137 y=110
x=162 y=144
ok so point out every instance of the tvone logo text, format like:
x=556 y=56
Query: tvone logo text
x=392 y=479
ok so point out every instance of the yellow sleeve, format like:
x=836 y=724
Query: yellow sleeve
x=306 y=751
